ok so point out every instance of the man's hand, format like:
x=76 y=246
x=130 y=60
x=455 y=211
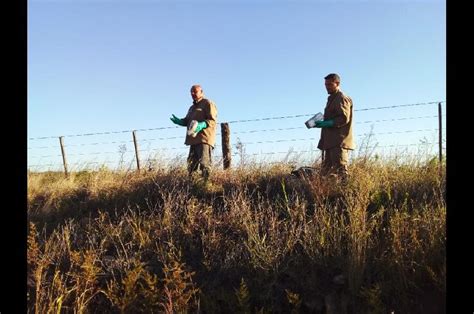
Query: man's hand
x=200 y=126
x=195 y=127
x=324 y=123
x=177 y=120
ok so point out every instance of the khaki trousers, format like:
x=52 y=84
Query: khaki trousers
x=335 y=162
x=200 y=158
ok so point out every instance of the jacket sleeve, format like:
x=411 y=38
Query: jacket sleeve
x=343 y=112
x=211 y=115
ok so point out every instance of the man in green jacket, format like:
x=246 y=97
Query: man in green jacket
x=201 y=121
x=336 y=130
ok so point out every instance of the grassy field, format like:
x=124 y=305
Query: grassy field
x=256 y=241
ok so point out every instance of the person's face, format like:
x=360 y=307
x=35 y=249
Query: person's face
x=196 y=93
x=331 y=86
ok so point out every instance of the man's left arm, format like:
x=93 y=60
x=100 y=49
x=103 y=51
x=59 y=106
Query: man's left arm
x=343 y=115
x=211 y=115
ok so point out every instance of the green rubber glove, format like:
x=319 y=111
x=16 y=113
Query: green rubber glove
x=200 y=126
x=177 y=120
x=324 y=123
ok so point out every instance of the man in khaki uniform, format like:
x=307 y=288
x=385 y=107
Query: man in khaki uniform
x=336 y=130
x=201 y=122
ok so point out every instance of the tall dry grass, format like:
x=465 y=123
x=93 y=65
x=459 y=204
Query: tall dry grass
x=255 y=240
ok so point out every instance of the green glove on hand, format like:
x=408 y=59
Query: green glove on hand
x=177 y=120
x=324 y=123
x=200 y=126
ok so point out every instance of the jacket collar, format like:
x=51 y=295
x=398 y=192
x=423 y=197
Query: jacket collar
x=198 y=101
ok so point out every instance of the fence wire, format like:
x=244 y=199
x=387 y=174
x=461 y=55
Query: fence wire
x=148 y=144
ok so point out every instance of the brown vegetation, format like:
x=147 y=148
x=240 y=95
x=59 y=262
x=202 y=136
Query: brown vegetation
x=256 y=240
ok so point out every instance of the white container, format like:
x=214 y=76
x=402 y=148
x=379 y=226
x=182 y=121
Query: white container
x=191 y=128
x=311 y=123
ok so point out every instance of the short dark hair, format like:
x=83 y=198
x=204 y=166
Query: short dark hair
x=333 y=77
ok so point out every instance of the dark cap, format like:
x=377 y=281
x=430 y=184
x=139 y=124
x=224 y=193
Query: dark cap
x=333 y=77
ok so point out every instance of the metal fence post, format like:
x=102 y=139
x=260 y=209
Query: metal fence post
x=63 y=152
x=225 y=135
x=440 y=140
x=136 y=149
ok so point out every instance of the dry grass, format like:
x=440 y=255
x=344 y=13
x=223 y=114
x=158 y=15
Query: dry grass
x=256 y=240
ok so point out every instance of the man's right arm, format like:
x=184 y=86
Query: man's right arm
x=177 y=120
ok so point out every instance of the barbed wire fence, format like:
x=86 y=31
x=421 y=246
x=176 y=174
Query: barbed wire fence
x=282 y=138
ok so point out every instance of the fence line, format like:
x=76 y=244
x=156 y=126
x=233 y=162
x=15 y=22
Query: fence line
x=398 y=106
x=253 y=154
x=246 y=143
x=239 y=142
x=238 y=132
x=235 y=121
x=311 y=114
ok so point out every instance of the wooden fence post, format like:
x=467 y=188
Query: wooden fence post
x=136 y=149
x=63 y=152
x=226 y=154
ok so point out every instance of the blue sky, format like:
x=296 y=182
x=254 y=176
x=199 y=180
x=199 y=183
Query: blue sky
x=101 y=66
